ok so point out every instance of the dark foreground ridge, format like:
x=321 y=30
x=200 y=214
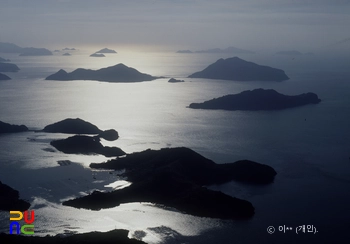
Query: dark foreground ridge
x=85 y=145
x=9 y=199
x=174 y=177
x=4 y=77
x=8 y=128
x=117 y=73
x=79 y=126
x=258 y=99
x=240 y=70
x=114 y=236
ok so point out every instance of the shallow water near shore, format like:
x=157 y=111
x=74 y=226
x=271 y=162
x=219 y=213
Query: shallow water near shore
x=308 y=146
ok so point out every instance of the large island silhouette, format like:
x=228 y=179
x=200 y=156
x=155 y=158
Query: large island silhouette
x=258 y=99
x=176 y=177
x=240 y=70
x=116 y=73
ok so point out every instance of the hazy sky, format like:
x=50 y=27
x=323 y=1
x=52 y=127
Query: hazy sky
x=178 y=24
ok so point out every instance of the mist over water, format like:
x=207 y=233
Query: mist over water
x=308 y=146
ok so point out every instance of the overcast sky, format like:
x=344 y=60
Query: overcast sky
x=178 y=24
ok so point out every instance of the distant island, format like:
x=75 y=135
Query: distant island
x=97 y=55
x=2 y=60
x=4 y=77
x=23 y=51
x=68 y=49
x=232 y=50
x=258 y=99
x=106 y=50
x=8 y=128
x=237 y=69
x=8 y=67
x=292 y=52
x=172 y=80
x=31 y=51
x=184 y=51
x=66 y=54
x=117 y=73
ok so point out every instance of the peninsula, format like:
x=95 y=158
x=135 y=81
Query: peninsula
x=237 y=69
x=258 y=99
x=116 y=73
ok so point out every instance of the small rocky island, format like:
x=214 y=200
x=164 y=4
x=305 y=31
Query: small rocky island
x=237 y=69
x=258 y=99
x=8 y=128
x=117 y=73
x=81 y=144
x=66 y=54
x=4 y=77
x=97 y=55
x=79 y=126
x=9 y=199
x=172 y=80
x=175 y=177
x=106 y=50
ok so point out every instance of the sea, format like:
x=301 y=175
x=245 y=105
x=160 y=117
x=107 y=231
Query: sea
x=308 y=146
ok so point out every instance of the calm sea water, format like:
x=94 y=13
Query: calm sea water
x=308 y=146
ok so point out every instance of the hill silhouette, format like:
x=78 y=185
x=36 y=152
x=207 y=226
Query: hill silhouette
x=6 y=47
x=258 y=99
x=106 y=50
x=240 y=70
x=117 y=73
